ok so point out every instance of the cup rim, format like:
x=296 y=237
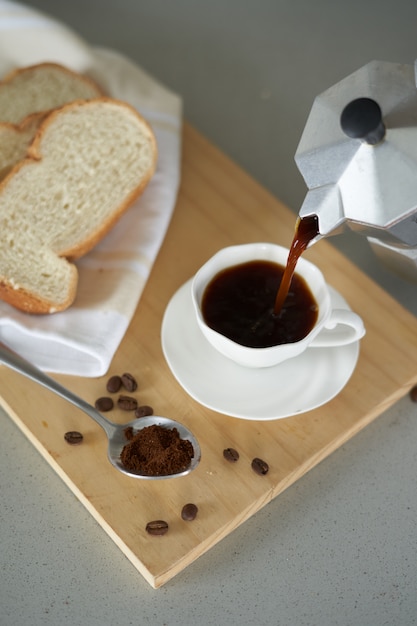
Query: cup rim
x=200 y=282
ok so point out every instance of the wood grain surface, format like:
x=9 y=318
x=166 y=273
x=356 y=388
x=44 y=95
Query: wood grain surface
x=218 y=205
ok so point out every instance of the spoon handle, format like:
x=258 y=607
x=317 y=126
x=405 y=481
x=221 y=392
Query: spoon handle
x=19 y=364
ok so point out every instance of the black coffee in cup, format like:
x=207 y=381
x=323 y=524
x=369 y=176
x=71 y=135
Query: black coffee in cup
x=239 y=304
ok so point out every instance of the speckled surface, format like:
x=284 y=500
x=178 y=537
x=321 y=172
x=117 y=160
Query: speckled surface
x=338 y=548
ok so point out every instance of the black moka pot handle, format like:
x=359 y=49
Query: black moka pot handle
x=362 y=119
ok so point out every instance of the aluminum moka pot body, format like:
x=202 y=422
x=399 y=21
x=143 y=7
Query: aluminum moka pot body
x=358 y=157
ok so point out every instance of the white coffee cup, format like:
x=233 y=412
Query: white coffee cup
x=334 y=327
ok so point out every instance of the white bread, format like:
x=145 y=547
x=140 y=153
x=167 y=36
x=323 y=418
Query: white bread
x=26 y=95
x=88 y=162
x=39 y=88
x=15 y=141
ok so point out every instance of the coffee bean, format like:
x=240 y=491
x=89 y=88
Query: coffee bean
x=143 y=411
x=113 y=384
x=129 y=383
x=73 y=437
x=259 y=466
x=230 y=454
x=104 y=404
x=413 y=394
x=127 y=403
x=189 y=512
x=157 y=527
x=129 y=433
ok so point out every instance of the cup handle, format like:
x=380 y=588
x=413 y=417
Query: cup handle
x=342 y=327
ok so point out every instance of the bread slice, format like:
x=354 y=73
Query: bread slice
x=39 y=88
x=15 y=141
x=26 y=95
x=88 y=162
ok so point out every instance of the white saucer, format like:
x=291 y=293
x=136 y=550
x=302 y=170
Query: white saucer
x=298 y=385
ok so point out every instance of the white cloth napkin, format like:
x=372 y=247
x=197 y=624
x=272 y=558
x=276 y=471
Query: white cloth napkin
x=82 y=340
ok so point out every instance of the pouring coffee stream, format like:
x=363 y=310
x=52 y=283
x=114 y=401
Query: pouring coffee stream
x=306 y=230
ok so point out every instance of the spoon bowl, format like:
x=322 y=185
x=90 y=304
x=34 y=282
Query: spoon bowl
x=117 y=441
x=115 y=432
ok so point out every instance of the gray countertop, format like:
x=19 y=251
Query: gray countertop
x=338 y=548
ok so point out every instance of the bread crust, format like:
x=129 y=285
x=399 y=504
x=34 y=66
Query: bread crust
x=35 y=153
x=15 y=141
x=20 y=134
x=49 y=64
x=28 y=302
x=19 y=71
x=22 y=298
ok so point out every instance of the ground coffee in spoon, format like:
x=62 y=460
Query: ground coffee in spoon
x=156 y=451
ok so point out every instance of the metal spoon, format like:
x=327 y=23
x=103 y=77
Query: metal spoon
x=115 y=432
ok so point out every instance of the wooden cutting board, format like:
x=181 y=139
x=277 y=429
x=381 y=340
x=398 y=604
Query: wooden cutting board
x=218 y=205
